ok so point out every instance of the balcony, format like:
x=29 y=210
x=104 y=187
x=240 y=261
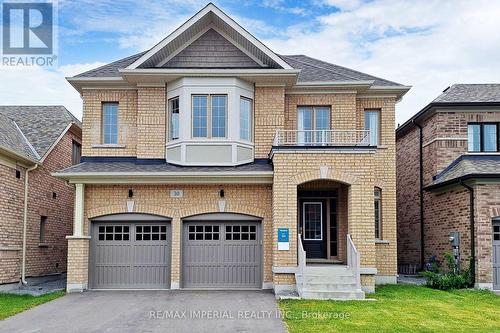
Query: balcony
x=323 y=138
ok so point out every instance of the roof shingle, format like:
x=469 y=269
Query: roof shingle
x=469 y=165
x=470 y=93
x=40 y=125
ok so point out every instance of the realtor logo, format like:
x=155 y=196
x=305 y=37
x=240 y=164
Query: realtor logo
x=28 y=29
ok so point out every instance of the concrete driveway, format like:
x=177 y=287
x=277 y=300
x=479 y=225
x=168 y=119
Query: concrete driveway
x=152 y=311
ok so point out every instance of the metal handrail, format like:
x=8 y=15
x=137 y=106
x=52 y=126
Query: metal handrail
x=302 y=262
x=322 y=138
x=354 y=260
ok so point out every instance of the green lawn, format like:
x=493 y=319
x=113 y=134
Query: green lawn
x=398 y=308
x=12 y=304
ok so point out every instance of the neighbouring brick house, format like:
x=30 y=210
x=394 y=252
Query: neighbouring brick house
x=210 y=161
x=34 y=142
x=457 y=134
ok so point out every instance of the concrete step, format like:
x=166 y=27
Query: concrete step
x=328 y=278
x=328 y=270
x=329 y=294
x=330 y=286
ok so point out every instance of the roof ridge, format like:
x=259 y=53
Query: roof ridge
x=33 y=150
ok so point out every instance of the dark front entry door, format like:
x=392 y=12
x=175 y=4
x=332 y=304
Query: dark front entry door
x=313 y=227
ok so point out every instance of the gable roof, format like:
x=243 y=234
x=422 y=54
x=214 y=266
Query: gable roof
x=38 y=126
x=459 y=95
x=211 y=50
x=190 y=51
x=208 y=17
x=468 y=167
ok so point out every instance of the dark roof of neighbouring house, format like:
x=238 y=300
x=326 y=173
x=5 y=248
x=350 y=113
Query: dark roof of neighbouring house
x=12 y=139
x=116 y=165
x=487 y=94
x=468 y=167
x=32 y=130
x=470 y=93
x=312 y=70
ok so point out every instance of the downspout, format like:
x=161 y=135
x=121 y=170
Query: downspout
x=472 y=231
x=25 y=223
x=421 y=196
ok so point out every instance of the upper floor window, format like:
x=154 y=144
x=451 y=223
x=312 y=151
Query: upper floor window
x=76 y=152
x=483 y=137
x=213 y=108
x=110 y=123
x=245 y=119
x=173 y=113
x=372 y=123
x=378 y=212
x=310 y=121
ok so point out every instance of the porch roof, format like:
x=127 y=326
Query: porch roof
x=468 y=167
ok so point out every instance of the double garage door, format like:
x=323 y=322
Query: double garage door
x=137 y=255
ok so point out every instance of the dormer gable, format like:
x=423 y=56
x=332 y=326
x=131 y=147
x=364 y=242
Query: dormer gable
x=210 y=23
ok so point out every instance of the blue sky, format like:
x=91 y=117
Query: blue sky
x=428 y=44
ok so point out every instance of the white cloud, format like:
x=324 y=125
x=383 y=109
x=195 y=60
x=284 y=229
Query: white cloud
x=427 y=44
x=39 y=86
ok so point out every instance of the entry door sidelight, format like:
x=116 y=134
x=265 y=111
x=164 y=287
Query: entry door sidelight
x=313 y=227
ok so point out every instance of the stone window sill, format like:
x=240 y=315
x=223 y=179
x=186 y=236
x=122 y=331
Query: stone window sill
x=111 y=146
x=381 y=241
x=43 y=245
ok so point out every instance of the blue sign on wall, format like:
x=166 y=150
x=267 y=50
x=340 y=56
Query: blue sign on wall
x=283 y=235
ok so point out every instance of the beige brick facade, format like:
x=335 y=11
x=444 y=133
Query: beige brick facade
x=354 y=173
x=127 y=122
x=151 y=118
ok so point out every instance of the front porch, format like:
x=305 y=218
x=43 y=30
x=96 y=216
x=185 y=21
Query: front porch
x=328 y=261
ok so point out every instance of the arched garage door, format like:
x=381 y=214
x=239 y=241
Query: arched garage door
x=130 y=251
x=222 y=251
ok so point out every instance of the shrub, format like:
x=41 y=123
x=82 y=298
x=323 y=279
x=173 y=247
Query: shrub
x=452 y=278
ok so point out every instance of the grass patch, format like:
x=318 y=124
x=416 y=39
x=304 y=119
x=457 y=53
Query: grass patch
x=399 y=308
x=11 y=304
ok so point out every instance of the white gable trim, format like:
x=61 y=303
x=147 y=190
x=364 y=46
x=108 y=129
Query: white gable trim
x=201 y=33
x=216 y=11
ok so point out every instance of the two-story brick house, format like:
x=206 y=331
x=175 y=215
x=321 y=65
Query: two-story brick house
x=199 y=151
x=452 y=146
x=36 y=209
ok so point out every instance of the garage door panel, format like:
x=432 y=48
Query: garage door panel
x=222 y=255
x=130 y=255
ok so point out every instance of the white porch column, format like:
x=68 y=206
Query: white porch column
x=79 y=207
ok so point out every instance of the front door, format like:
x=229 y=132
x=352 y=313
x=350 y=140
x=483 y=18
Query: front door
x=496 y=255
x=313 y=227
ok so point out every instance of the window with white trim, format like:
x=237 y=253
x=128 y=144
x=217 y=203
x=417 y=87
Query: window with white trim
x=173 y=114
x=110 y=123
x=372 y=123
x=209 y=114
x=311 y=120
x=245 y=119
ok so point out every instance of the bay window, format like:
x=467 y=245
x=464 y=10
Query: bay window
x=173 y=112
x=245 y=119
x=213 y=107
